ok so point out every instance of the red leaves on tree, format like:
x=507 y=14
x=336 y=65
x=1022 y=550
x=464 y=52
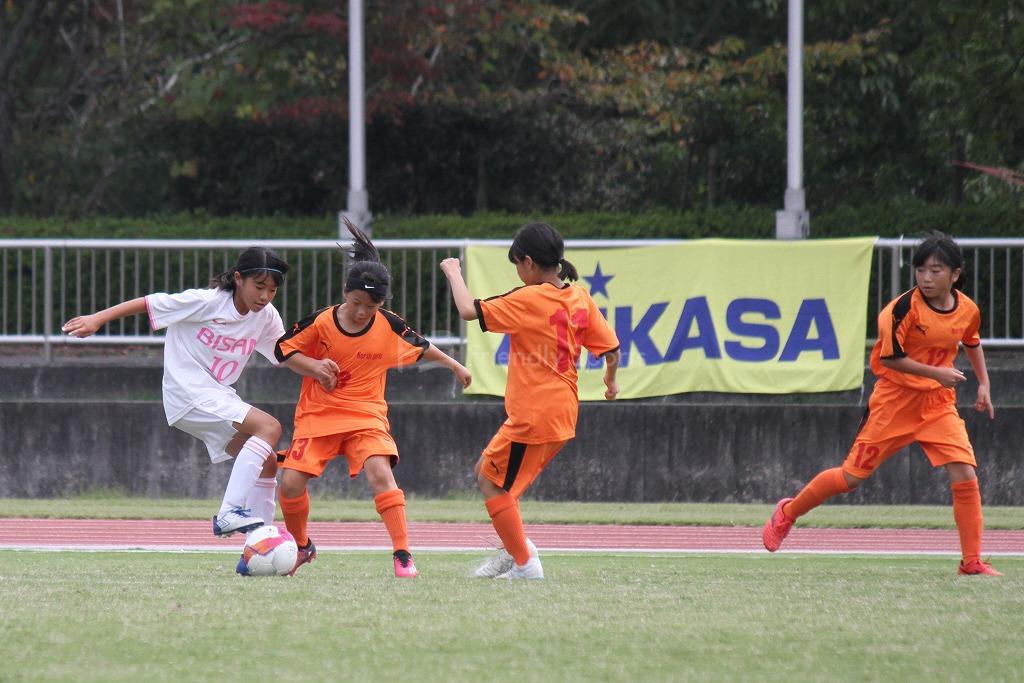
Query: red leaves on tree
x=263 y=17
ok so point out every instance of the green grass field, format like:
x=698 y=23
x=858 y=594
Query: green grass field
x=179 y=616
x=139 y=616
x=102 y=505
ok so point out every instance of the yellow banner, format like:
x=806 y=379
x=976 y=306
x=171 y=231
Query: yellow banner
x=764 y=316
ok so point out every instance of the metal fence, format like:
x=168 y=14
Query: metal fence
x=45 y=282
x=994 y=278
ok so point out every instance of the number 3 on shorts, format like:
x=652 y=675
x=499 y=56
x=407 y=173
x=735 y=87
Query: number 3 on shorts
x=298 y=449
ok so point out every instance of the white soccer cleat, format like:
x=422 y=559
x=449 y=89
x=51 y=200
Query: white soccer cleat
x=234 y=520
x=531 y=570
x=500 y=563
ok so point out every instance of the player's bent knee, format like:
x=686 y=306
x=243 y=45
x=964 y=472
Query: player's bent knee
x=378 y=473
x=852 y=482
x=272 y=431
x=488 y=487
x=269 y=467
x=293 y=483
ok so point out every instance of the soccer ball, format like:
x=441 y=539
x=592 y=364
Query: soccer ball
x=268 y=551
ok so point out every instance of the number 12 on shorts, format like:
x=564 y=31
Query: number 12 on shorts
x=866 y=456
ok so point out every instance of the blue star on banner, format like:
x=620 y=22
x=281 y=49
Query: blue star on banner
x=598 y=282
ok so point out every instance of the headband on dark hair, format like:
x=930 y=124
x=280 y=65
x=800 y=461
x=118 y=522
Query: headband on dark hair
x=269 y=270
x=375 y=289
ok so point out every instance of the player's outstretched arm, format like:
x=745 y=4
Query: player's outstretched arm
x=461 y=373
x=323 y=370
x=87 y=325
x=452 y=270
x=611 y=366
x=983 y=404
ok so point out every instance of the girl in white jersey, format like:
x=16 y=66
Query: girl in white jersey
x=211 y=333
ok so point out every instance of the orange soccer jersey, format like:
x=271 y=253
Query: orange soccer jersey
x=364 y=358
x=904 y=408
x=909 y=327
x=548 y=327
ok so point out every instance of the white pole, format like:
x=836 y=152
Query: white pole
x=795 y=98
x=793 y=222
x=358 y=210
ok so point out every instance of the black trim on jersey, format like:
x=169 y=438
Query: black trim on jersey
x=480 y=314
x=296 y=328
x=480 y=309
x=341 y=329
x=402 y=329
x=971 y=346
x=956 y=302
x=610 y=351
x=498 y=296
x=864 y=420
x=899 y=312
x=516 y=453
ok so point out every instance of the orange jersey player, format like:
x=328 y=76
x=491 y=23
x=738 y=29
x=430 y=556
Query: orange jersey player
x=914 y=399
x=549 y=322
x=344 y=352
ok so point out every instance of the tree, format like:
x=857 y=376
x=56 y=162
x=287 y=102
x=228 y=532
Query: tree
x=17 y=29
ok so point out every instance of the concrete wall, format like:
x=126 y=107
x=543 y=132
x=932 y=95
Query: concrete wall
x=625 y=451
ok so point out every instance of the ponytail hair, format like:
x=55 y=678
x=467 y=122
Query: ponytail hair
x=258 y=262
x=545 y=246
x=367 y=272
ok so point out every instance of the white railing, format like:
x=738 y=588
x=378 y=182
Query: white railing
x=994 y=278
x=46 y=281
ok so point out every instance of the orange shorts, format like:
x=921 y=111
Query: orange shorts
x=311 y=455
x=896 y=417
x=512 y=465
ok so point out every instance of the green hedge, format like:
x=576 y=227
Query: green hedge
x=891 y=220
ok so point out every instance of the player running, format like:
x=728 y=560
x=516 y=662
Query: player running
x=914 y=399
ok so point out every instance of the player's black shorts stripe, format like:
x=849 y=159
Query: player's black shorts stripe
x=515 y=461
x=864 y=420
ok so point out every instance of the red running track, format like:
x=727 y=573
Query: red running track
x=98 y=534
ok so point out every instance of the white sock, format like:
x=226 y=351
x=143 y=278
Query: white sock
x=245 y=472
x=262 y=499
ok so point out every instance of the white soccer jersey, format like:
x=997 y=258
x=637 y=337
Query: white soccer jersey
x=208 y=344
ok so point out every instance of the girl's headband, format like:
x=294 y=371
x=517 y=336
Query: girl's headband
x=372 y=288
x=269 y=270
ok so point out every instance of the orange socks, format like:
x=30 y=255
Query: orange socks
x=969 y=520
x=391 y=508
x=827 y=484
x=504 y=512
x=296 y=516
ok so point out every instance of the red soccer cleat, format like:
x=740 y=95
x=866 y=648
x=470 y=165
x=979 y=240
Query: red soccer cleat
x=307 y=553
x=777 y=527
x=976 y=568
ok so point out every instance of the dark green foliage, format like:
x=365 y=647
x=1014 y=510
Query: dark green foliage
x=891 y=219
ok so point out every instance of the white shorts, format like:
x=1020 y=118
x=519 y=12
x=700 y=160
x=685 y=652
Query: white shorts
x=211 y=423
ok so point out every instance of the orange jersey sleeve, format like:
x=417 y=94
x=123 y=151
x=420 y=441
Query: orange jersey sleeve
x=363 y=359
x=548 y=326
x=302 y=337
x=908 y=327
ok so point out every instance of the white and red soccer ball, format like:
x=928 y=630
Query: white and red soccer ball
x=268 y=551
